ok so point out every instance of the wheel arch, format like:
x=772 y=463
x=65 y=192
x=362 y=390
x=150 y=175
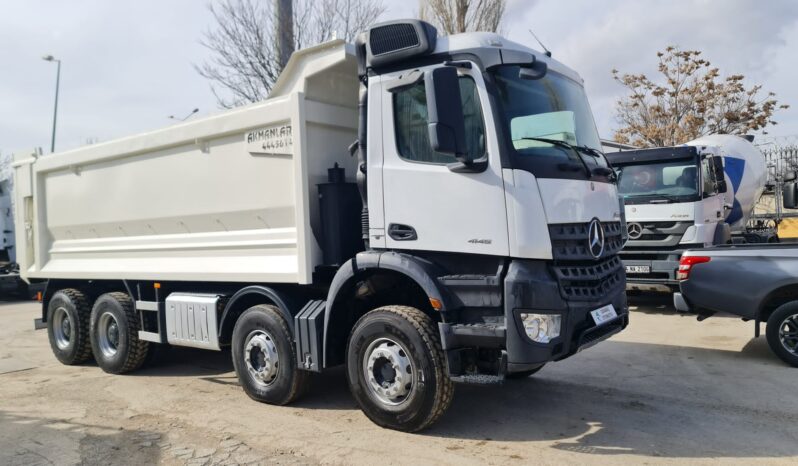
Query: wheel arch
x=253 y=295
x=358 y=287
x=781 y=295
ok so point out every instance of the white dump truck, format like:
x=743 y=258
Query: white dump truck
x=423 y=210
x=692 y=196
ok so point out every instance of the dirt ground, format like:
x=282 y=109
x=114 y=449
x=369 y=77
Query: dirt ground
x=667 y=390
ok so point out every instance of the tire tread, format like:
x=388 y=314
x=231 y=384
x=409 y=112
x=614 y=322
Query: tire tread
x=138 y=349
x=83 y=339
x=429 y=334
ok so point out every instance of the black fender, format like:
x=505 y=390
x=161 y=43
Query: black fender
x=722 y=233
x=421 y=271
x=285 y=303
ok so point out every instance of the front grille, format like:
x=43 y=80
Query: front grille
x=569 y=241
x=659 y=235
x=589 y=280
x=392 y=37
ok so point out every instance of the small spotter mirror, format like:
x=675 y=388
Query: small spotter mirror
x=533 y=71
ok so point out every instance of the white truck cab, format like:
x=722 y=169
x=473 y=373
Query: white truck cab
x=692 y=196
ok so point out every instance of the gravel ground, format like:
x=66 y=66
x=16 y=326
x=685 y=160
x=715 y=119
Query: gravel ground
x=667 y=390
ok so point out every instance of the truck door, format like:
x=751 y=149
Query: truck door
x=710 y=210
x=427 y=205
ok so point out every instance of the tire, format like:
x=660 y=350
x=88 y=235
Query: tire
x=264 y=357
x=68 y=315
x=115 y=334
x=398 y=336
x=782 y=332
x=524 y=374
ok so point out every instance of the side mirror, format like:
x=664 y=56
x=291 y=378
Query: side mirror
x=445 y=120
x=536 y=70
x=720 y=177
x=789 y=195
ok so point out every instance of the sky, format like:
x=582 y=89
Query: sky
x=127 y=66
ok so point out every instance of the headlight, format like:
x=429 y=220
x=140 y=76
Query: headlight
x=541 y=328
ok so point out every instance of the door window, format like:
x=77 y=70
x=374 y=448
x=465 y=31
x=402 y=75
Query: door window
x=707 y=178
x=410 y=122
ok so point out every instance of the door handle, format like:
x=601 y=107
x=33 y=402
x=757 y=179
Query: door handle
x=401 y=232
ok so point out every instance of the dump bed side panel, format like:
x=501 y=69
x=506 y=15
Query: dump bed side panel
x=231 y=197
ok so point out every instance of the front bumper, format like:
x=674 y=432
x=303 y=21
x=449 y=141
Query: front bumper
x=662 y=270
x=529 y=287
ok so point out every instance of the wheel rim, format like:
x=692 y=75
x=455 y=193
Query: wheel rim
x=62 y=328
x=108 y=334
x=261 y=358
x=788 y=333
x=389 y=372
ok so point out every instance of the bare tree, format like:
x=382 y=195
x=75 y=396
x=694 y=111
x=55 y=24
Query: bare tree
x=456 y=16
x=245 y=62
x=692 y=101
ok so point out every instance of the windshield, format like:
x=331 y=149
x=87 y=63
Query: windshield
x=667 y=180
x=553 y=107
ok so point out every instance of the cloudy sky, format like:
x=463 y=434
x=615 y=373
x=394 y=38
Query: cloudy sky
x=127 y=66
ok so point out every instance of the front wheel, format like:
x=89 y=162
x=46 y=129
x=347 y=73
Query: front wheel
x=782 y=332
x=396 y=368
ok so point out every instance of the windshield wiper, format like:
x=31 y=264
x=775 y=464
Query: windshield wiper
x=608 y=172
x=563 y=144
x=668 y=197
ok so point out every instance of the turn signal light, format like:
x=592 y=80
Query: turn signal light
x=686 y=265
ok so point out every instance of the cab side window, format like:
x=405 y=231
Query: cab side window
x=410 y=123
x=707 y=178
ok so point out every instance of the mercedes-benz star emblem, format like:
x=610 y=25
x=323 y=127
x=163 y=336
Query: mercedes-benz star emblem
x=635 y=230
x=595 y=238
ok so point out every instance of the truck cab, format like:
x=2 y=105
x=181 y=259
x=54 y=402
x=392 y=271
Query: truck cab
x=512 y=202
x=676 y=198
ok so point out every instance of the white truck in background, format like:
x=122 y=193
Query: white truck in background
x=11 y=284
x=692 y=196
x=474 y=236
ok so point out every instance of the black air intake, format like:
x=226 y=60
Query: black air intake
x=395 y=41
x=393 y=37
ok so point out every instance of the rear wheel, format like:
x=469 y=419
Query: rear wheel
x=115 y=334
x=68 y=315
x=396 y=368
x=524 y=374
x=264 y=357
x=782 y=332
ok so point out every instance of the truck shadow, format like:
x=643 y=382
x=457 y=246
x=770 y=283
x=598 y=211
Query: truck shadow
x=684 y=405
x=661 y=304
x=618 y=398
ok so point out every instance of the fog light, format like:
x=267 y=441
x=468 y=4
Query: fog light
x=541 y=328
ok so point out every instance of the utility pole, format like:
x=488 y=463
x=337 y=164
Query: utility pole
x=51 y=58
x=284 y=25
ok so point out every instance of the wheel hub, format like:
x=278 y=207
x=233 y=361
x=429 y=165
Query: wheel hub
x=108 y=337
x=261 y=358
x=788 y=333
x=62 y=328
x=389 y=371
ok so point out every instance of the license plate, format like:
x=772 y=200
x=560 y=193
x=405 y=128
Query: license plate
x=638 y=269
x=604 y=314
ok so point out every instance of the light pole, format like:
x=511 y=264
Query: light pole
x=55 y=110
x=172 y=117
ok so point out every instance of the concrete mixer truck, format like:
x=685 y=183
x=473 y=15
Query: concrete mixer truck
x=420 y=209
x=691 y=196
